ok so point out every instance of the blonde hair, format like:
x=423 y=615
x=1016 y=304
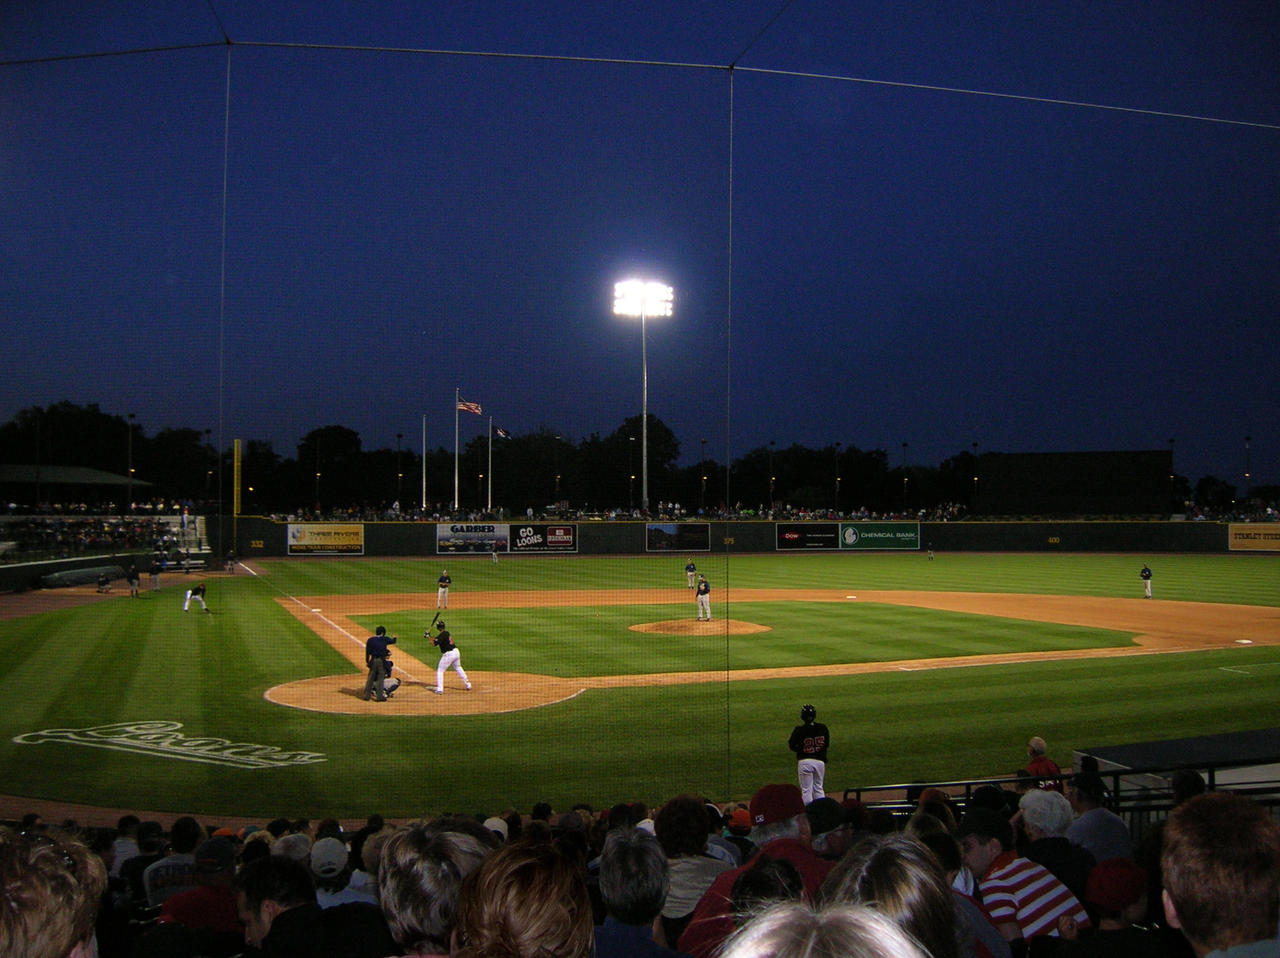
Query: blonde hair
x=50 y=889
x=527 y=900
x=799 y=930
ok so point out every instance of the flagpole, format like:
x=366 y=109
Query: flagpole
x=424 y=465
x=457 y=397
x=489 y=500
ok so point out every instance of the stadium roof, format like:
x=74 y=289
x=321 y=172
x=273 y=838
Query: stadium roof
x=63 y=476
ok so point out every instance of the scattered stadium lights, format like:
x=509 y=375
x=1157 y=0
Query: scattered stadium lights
x=636 y=297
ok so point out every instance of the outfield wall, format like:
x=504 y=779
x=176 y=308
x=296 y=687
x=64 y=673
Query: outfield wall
x=256 y=536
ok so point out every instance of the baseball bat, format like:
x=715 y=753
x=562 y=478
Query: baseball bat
x=434 y=618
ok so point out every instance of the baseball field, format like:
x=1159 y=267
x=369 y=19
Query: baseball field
x=593 y=681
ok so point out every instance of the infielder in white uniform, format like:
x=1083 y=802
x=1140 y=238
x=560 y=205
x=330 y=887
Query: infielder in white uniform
x=704 y=599
x=442 y=589
x=450 y=658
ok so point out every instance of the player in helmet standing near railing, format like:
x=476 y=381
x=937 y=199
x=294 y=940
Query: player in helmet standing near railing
x=809 y=741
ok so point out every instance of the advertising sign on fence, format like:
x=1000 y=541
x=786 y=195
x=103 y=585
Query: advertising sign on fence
x=879 y=535
x=677 y=537
x=454 y=537
x=534 y=537
x=807 y=535
x=326 y=538
x=1254 y=536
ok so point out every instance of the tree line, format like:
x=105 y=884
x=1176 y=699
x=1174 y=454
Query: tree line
x=331 y=471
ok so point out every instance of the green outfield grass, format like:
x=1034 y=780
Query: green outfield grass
x=133 y=661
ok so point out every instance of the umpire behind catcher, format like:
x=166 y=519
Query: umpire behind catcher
x=377 y=655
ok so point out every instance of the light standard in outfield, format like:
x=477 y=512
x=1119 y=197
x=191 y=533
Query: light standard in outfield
x=635 y=297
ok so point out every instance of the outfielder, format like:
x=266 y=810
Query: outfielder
x=442 y=589
x=809 y=741
x=690 y=571
x=1145 y=575
x=198 y=594
x=704 y=599
x=450 y=658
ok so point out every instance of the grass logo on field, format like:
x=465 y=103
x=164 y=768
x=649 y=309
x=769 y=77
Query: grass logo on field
x=162 y=740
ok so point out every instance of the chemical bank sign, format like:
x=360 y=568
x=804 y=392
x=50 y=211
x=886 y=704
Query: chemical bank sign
x=879 y=535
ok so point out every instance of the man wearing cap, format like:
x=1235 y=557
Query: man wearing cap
x=329 y=859
x=1041 y=766
x=1117 y=893
x=779 y=829
x=212 y=903
x=1024 y=900
x=176 y=871
x=1100 y=830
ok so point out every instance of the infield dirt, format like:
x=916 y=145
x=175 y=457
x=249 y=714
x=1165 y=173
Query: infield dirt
x=1159 y=626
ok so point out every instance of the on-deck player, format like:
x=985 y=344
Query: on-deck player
x=450 y=658
x=809 y=741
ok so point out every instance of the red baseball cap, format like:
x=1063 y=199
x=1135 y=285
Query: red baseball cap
x=776 y=803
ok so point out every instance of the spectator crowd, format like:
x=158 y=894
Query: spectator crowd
x=1043 y=869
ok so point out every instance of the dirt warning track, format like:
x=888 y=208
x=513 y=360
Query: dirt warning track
x=1160 y=627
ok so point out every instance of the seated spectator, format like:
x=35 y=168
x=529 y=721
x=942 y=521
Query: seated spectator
x=1045 y=817
x=765 y=882
x=1040 y=766
x=1022 y=898
x=717 y=845
x=329 y=868
x=51 y=886
x=126 y=843
x=681 y=829
x=798 y=930
x=212 y=903
x=633 y=885
x=828 y=828
x=975 y=926
x=176 y=871
x=293 y=845
x=1221 y=865
x=1098 y=829
x=151 y=846
x=526 y=900
x=276 y=901
x=364 y=880
x=1117 y=894
x=1185 y=784
x=780 y=829
x=902 y=880
x=420 y=877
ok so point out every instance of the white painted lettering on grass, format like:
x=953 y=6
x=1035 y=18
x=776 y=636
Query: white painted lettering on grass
x=162 y=740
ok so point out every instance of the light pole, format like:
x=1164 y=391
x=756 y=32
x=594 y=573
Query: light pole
x=1247 y=470
x=635 y=297
x=631 y=473
x=904 y=478
x=129 y=486
x=399 y=474
x=836 y=504
x=702 y=495
x=772 y=477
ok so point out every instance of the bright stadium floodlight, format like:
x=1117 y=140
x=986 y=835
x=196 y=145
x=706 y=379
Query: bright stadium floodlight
x=635 y=297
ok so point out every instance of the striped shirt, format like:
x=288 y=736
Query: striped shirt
x=1018 y=890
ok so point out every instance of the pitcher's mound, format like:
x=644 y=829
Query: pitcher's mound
x=694 y=627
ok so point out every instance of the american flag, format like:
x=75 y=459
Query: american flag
x=502 y=433
x=469 y=406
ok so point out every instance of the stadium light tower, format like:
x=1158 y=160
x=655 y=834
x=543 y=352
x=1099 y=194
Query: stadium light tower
x=636 y=297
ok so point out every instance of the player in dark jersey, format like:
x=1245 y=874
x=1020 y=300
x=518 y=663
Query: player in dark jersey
x=450 y=658
x=809 y=741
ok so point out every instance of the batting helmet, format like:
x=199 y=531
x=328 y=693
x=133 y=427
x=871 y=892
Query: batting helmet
x=440 y=625
x=808 y=713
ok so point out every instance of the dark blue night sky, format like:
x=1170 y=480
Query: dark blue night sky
x=888 y=223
